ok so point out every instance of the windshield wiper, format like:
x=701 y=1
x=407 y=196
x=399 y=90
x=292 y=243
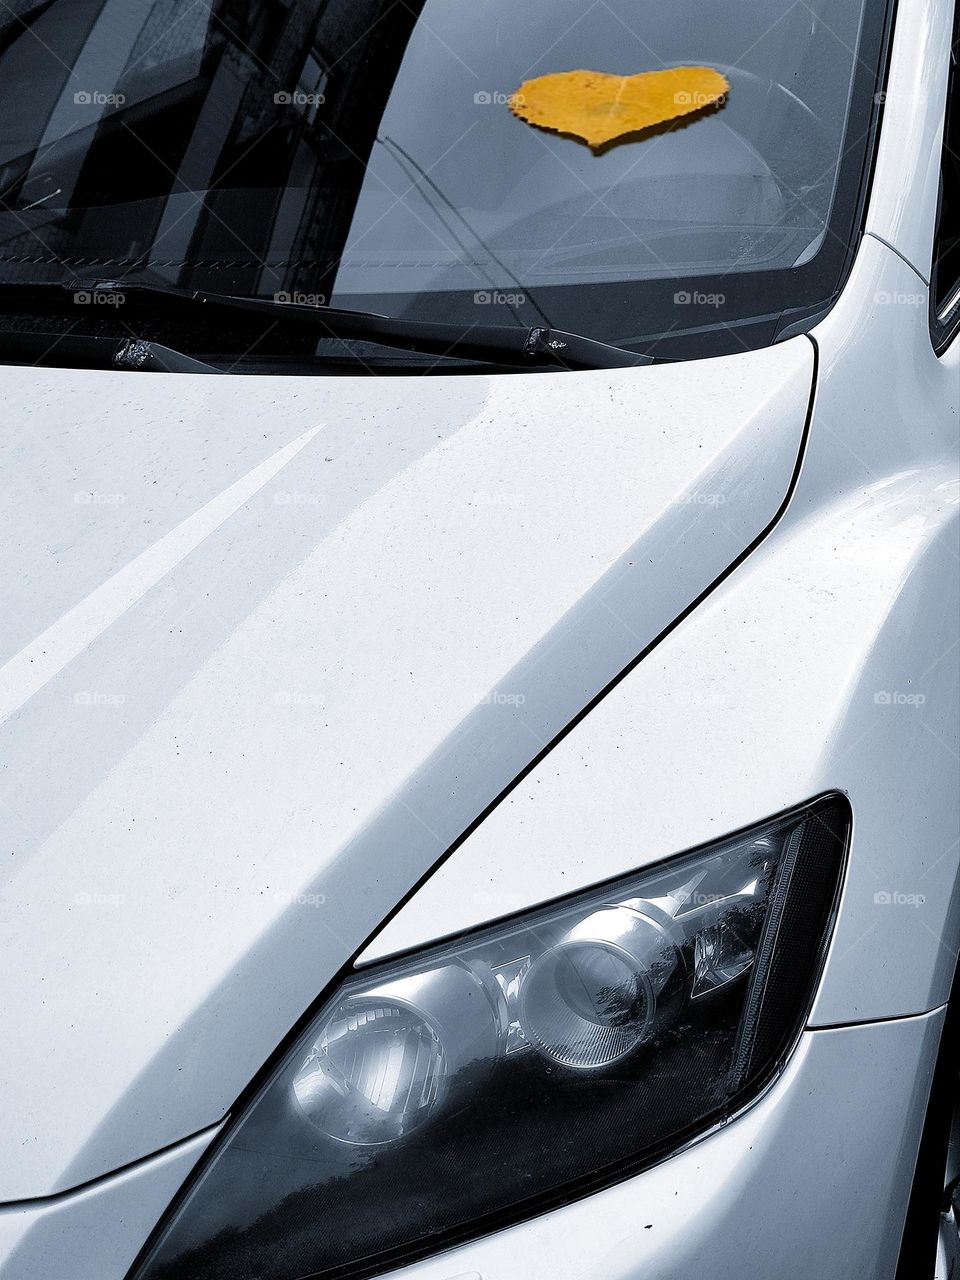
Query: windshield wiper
x=514 y=344
x=535 y=347
x=97 y=352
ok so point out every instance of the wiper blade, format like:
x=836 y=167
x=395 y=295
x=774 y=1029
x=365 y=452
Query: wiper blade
x=96 y=352
x=152 y=357
x=538 y=346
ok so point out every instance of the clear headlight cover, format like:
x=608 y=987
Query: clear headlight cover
x=449 y=1092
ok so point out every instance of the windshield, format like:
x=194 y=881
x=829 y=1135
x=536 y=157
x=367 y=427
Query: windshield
x=364 y=155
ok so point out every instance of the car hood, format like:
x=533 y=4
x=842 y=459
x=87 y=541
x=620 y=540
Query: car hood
x=269 y=646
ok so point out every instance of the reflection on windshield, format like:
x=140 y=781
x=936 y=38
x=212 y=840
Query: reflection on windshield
x=364 y=154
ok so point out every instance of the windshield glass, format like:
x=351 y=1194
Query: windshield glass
x=363 y=154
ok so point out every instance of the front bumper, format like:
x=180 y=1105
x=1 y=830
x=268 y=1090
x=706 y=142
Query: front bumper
x=813 y=1179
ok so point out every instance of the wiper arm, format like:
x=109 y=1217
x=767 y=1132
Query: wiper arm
x=535 y=347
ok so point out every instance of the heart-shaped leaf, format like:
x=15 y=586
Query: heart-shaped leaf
x=599 y=108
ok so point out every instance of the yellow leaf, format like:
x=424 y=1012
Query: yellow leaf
x=599 y=108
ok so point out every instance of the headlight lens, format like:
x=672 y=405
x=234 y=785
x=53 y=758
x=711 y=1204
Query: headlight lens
x=484 y=1079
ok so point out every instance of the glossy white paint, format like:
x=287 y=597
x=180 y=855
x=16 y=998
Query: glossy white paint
x=765 y=695
x=97 y=1232
x=903 y=201
x=44 y=658
x=276 y=654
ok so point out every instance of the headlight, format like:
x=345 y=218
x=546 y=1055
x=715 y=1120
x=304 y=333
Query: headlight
x=445 y=1093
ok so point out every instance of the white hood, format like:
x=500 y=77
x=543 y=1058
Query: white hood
x=270 y=646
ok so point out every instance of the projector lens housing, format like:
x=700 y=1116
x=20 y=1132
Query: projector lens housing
x=602 y=990
x=482 y=1080
x=382 y=1062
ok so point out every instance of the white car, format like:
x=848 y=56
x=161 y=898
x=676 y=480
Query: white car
x=479 y=693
